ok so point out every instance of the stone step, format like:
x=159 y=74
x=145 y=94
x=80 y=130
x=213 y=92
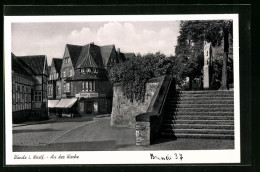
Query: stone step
x=196 y=101
x=198 y=131
x=219 y=122
x=198 y=126
x=205 y=92
x=200 y=109
x=195 y=117
x=172 y=113
x=201 y=98
x=201 y=106
x=199 y=136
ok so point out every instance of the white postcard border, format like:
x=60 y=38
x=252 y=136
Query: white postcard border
x=120 y=157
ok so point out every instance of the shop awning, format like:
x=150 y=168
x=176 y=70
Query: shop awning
x=66 y=103
x=52 y=103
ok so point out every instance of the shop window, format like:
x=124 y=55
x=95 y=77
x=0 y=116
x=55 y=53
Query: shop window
x=81 y=106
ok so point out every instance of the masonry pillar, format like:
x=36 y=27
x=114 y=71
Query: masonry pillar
x=207 y=65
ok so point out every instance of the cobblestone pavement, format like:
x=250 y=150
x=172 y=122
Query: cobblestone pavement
x=38 y=134
x=88 y=134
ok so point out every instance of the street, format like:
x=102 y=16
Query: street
x=96 y=134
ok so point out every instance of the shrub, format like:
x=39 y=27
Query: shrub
x=134 y=73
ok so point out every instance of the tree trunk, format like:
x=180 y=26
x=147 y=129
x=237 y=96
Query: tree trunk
x=224 y=73
x=225 y=57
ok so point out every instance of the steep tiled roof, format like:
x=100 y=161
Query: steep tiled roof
x=90 y=56
x=83 y=54
x=36 y=63
x=20 y=68
x=96 y=55
x=74 y=51
x=106 y=52
x=129 y=55
x=57 y=64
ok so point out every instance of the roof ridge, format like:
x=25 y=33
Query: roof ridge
x=85 y=56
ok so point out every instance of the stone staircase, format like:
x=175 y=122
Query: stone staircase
x=200 y=114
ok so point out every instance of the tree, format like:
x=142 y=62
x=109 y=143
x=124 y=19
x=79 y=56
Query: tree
x=227 y=28
x=190 y=44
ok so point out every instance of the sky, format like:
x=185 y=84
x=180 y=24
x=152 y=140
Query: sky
x=50 y=38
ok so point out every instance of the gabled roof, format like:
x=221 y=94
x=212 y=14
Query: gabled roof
x=20 y=68
x=90 y=56
x=106 y=52
x=129 y=55
x=36 y=63
x=57 y=64
x=74 y=51
x=48 y=70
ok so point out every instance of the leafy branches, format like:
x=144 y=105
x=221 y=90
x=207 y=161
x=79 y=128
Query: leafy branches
x=134 y=73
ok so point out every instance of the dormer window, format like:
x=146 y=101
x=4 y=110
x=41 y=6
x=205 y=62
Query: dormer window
x=95 y=70
x=82 y=71
x=88 y=70
x=66 y=60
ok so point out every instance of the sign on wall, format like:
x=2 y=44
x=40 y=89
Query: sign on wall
x=87 y=95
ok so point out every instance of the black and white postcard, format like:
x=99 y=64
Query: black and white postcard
x=122 y=89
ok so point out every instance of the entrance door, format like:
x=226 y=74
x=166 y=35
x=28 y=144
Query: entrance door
x=88 y=107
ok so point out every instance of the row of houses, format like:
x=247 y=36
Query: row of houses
x=76 y=84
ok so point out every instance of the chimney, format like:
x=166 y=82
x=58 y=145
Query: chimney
x=92 y=43
x=118 y=50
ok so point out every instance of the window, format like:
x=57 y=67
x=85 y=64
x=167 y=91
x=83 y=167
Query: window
x=22 y=92
x=64 y=73
x=68 y=87
x=50 y=90
x=13 y=89
x=38 y=96
x=83 y=86
x=64 y=87
x=70 y=72
x=88 y=70
x=82 y=71
x=58 y=90
x=66 y=60
x=95 y=71
x=88 y=86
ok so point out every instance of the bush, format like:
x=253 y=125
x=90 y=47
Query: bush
x=134 y=73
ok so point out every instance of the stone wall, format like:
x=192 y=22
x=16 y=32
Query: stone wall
x=124 y=111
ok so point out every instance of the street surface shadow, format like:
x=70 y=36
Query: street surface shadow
x=107 y=145
x=75 y=119
x=33 y=131
x=164 y=140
